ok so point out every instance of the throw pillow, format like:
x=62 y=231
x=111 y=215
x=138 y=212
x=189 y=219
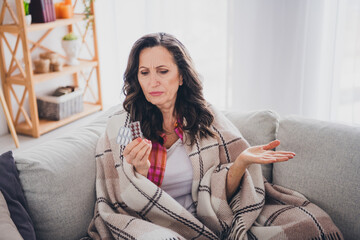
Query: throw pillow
x=10 y=187
x=8 y=229
x=257 y=127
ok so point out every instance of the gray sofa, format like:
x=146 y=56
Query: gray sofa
x=58 y=177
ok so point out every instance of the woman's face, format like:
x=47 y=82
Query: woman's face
x=159 y=76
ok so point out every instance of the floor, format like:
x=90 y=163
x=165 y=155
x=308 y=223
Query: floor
x=7 y=143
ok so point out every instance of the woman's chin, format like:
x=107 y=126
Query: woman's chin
x=156 y=103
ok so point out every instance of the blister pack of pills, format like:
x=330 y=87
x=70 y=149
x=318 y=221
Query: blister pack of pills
x=127 y=134
x=136 y=130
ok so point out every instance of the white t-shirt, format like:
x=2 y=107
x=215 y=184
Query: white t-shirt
x=178 y=176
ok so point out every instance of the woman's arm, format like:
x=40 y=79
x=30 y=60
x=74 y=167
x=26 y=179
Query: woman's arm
x=258 y=154
x=233 y=179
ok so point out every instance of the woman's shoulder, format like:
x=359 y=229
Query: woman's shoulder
x=218 y=115
x=118 y=117
x=119 y=114
x=116 y=111
x=221 y=122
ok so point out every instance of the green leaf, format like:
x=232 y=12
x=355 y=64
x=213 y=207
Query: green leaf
x=70 y=36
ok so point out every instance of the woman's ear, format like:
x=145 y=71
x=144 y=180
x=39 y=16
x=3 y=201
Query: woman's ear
x=181 y=81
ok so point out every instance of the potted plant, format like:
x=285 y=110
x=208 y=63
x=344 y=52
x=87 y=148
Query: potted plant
x=71 y=45
x=88 y=12
x=87 y=8
x=27 y=12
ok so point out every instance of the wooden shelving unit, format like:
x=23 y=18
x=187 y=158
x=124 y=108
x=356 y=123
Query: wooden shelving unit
x=46 y=125
x=25 y=77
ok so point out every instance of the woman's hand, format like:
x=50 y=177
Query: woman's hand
x=263 y=154
x=258 y=154
x=137 y=154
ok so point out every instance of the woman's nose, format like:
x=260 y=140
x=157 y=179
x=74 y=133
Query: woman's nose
x=153 y=79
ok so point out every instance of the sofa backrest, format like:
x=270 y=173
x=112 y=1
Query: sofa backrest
x=325 y=169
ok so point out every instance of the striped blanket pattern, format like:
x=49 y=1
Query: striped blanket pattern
x=129 y=206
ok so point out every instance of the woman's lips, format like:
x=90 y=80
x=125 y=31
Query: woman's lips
x=156 y=93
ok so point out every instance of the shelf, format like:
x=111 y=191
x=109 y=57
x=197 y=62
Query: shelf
x=41 y=77
x=47 y=125
x=58 y=23
x=12 y=28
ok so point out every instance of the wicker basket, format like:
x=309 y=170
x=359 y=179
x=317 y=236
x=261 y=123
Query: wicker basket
x=57 y=108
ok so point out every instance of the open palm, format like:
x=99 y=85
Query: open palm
x=263 y=154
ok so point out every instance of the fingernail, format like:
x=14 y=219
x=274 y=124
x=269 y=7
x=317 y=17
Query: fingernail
x=139 y=139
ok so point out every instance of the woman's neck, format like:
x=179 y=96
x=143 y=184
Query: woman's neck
x=169 y=118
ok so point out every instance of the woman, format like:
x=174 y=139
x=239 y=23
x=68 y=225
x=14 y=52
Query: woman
x=192 y=175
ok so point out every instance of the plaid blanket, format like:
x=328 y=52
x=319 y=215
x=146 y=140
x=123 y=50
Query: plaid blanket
x=129 y=206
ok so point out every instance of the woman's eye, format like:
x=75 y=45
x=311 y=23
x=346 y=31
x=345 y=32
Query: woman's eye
x=164 y=71
x=143 y=73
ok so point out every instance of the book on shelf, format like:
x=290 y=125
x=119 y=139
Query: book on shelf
x=46 y=3
x=42 y=11
x=52 y=10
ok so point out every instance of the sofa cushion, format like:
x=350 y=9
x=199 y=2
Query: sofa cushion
x=257 y=127
x=58 y=179
x=11 y=189
x=325 y=168
x=8 y=229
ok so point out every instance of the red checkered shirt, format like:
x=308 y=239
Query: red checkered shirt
x=158 y=157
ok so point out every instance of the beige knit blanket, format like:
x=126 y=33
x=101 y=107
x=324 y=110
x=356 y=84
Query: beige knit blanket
x=129 y=206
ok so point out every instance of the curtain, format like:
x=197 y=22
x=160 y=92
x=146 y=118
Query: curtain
x=297 y=57
x=347 y=61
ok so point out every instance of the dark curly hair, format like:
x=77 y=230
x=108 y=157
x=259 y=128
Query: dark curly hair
x=190 y=105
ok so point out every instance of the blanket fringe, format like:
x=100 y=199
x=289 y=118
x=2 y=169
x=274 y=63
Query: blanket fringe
x=237 y=229
x=329 y=236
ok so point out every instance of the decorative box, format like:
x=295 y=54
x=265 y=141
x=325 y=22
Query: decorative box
x=57 y=108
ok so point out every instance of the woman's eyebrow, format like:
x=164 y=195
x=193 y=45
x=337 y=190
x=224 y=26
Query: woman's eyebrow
x=160 y=66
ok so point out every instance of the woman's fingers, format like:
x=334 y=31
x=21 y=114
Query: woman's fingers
x=144 y=152
x=136 y=150
x=266 y=160
x=145 y=160
x=283 y=152
x=271 y=145
x=278 y=158
x=129 y=148
x=281 y=159
x=275 y=154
